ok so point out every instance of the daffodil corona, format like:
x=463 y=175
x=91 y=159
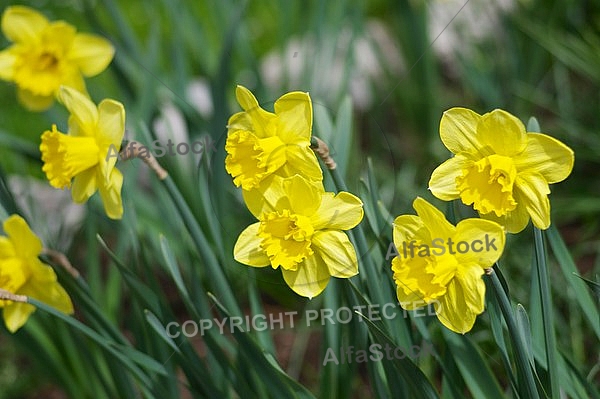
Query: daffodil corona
x=450 y=275
x=45 y=55
x=300 y=230
x=22 y=273
x=500 y=168
x=81 y=155
x=261 y=144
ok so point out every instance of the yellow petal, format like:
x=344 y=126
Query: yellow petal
x=337 y=252
x=502 y=132
x=267 y=198
x=408 y=298
x=309 y=279
x=84 y=186
x=22 y=24
x=304 y=197
x=433 y=219
x=91 y=53
x=406 y=228
x=45 y=287
x=13 y=272
x=34 y=102
x=16 y=314
x=464 y=300
x=301 y=160
x=240 y=121
x=546 y=156
x=247 y=248
x=7 y=250
x=485 y=239
x=534 y=196
x=26 y=243
x=342 y=211
x=294 y=111
x=245 y=98
x=59 y=34
x=111 y=127
x=261 y=119
x=7 y=64
x=82 y=109
x=111 y=194
x=443 y=179
x=458 y=131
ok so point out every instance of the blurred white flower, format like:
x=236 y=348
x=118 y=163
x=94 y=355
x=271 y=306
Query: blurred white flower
x=333 y=65
x=458 y=27
x=199 y=95
x=51 y=213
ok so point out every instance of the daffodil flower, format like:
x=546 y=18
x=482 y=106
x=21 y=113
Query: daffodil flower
x=45 y=55
x=300 y=230
x=499 y=168
x=22 y=273
x=261 y=144
x=444 y=264
x=81 y=156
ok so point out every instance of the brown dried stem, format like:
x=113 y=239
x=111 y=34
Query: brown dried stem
x=322 y=150
x=134 y=149
x=60 y=259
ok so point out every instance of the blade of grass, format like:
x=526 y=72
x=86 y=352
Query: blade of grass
x=569 y=270
x=526 y=382
x=547 y=313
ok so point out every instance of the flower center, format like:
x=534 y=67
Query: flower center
x=424 y=278
x=286 y=238
x=488 y=185
x=67 y=156
x=46 y=61
x=251 y=159
x=41 y=70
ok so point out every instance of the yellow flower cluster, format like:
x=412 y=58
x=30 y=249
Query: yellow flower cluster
x=498 y=168
x=300 y=226
x=503 y=171
x=48 y=60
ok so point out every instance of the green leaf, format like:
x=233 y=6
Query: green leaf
x=569 y=270
x=279 y=383
x=417 y=382
x=477 y=375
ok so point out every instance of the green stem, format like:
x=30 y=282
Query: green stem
x=547 y=315
x=517 y=342
x=205 y=251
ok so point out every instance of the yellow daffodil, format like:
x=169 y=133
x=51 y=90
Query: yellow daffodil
x=22 y=273
x=300 y=229
x=84 y=154
x=500 y=168
x=45 y=55
x=441 y=264
x=261 y=144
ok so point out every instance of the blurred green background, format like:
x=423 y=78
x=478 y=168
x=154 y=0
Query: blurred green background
x=382 y=70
